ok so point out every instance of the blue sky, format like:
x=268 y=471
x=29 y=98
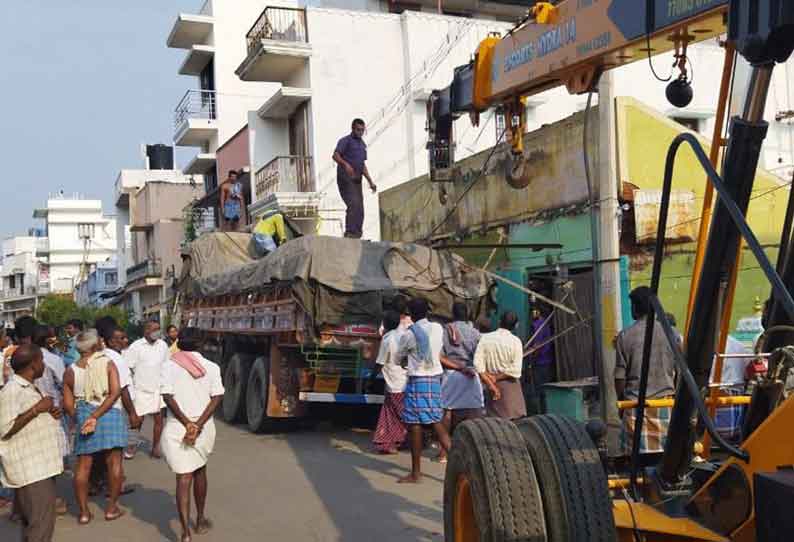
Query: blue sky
x=83 y=84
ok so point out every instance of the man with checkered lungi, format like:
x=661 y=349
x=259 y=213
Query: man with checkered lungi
x=661 y=375
x=420 y=351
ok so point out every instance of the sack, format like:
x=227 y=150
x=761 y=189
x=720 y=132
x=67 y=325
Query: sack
x=263 y=245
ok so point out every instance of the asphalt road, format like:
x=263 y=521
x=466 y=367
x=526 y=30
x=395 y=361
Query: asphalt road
x=313 y=485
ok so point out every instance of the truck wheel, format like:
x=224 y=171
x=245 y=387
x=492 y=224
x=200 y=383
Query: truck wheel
x=490 y=490
x=256 y=396
x=236 y=382
x=572 y=480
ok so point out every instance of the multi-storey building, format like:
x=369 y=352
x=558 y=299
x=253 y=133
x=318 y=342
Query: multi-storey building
x=157 y=228
x=23 y=276
x=279 y=84
x=97 y=288
x=78 y=235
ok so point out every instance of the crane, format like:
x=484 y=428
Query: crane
x=541 y=478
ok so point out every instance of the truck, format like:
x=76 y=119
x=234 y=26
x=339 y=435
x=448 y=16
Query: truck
x=301 y=325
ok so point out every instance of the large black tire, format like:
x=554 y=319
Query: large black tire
x=572 y=480
x=490 y=490
x=256 y=397
x=236 y=381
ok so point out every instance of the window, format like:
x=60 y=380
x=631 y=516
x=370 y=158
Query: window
x=12 y=282
x=85 y=231
x=692 y=123
x=111 y=279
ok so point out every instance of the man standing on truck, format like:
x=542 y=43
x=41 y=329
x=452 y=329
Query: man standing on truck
x=420 y=351
x=232 y=200
x=351 y=156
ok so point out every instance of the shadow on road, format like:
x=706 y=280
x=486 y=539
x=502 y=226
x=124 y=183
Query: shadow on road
x=360 y=491
x=154 y=507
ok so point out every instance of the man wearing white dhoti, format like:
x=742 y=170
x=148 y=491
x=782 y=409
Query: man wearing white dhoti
x=192 y=390
x=146 y=358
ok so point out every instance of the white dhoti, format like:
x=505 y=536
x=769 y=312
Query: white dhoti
x=182 y=458
x=147 y=402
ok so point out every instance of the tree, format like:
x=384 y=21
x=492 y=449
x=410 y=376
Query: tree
x=56 y=310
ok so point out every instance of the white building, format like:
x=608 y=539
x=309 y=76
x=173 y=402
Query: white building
x=23 y=276
x=281 y=82
x=78 y=235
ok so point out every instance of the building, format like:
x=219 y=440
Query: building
x=280 y=83
x=157 y=228
x=23 y=276
x=95 y=289
x=78 y=235
x=158 y=165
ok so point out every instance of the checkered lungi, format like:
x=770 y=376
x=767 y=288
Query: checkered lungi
x=423 y=400
x=390 y=431
x=728 y=419
x=654 y=430
x=111 y=430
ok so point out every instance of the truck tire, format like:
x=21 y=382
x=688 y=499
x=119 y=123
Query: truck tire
x=490 y=490
x=236 y=381
x=257 y=395
x=572 y=480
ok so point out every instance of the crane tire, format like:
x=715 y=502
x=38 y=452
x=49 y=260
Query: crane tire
x=572 y=480
x=490 y=490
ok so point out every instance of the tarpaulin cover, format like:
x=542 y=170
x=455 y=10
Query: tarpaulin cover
x=338 y=280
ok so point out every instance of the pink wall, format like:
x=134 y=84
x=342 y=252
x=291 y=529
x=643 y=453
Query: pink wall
x=233 y=154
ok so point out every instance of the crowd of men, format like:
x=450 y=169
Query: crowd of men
x=438 y=376
x=80 y=409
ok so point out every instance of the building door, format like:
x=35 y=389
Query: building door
x=300 y=162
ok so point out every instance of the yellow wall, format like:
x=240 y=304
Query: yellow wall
x=644 y=136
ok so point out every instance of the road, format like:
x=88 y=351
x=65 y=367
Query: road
x=315 y=485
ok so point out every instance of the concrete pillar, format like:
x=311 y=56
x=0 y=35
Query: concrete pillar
x=609 y=249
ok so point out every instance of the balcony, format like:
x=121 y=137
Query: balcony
x=197 y=59
x=144 y=270
x=195 y=118
x=284 y=174
x=278 y=46
x=284 y=102
x=200 y=164
x=191 y=29
x=24 y=293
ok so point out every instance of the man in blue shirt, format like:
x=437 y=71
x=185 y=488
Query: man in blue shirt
x=351 y=156
x=72 y=329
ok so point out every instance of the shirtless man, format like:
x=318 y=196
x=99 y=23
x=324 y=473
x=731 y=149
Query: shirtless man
x=232 y=202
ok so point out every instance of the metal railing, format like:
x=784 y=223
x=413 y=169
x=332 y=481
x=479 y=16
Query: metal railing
x=147 y=268
x=195 y=104
x=279 y=24
x=285 y=174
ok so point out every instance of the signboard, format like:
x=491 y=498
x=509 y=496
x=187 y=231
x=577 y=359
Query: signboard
x=682 y=217
x=595 y=32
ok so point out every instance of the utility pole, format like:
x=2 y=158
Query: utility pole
x=609 y=253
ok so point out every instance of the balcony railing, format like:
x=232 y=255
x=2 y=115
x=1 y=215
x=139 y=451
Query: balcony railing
x=280 y=24
x=285 y=174
x=29 y=291
x=195 y=104
x=145 y=269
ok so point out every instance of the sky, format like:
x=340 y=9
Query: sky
x=83 y=84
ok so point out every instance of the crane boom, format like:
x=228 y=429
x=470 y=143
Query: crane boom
x=565 y=44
